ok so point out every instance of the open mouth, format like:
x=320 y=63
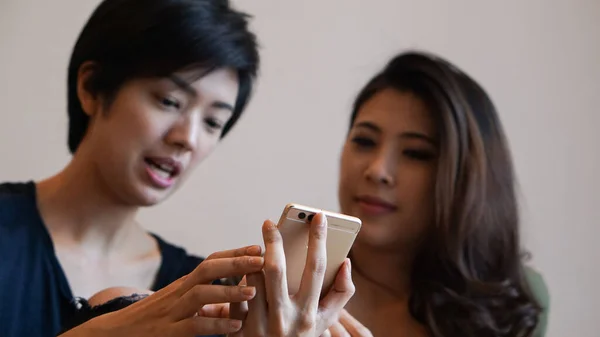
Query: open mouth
x=162 y=171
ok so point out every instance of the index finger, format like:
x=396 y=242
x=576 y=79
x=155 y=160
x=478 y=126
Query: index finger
x=253 y=250
x=210 y=270
x=275 y=270
x=316 y=262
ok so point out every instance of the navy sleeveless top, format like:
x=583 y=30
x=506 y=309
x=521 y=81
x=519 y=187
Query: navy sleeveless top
x=35 y=298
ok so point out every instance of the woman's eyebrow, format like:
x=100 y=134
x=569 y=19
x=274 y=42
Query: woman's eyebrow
x=183 y=85
x=418 y=135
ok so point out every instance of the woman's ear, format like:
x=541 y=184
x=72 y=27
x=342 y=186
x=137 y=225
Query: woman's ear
x=88 y=98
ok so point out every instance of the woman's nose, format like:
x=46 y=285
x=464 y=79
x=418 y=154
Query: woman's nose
x=379 y=170
x=185 y=133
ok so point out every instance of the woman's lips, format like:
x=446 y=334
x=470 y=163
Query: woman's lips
x=162 y=171
x=372 y=205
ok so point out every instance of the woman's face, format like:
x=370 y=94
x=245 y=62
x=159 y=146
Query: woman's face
x=388 y=170
x=156 y=131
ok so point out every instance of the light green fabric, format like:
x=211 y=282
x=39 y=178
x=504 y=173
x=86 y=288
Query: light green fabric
x=542 y=295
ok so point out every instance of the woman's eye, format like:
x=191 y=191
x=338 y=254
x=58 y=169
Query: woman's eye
x=363 y=142
x=213 y=123
x=169 y=103
x=418 y=154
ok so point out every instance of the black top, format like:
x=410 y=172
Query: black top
x=35 y=297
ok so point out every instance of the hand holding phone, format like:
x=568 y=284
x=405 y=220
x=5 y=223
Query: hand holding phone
x=294 y=225
x=292 y=298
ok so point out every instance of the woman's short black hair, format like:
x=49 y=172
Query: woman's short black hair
x=129 y=39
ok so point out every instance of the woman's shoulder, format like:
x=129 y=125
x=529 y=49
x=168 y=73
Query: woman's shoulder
x=538 y=286
x=18 y=206
x=11 y=192
x=16 y=188
x=540 y=291
x=174 y=254
x=176 y=262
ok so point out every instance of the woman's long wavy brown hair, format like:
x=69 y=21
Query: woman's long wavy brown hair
x=468 y=278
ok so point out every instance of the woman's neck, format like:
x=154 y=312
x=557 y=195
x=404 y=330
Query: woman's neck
x=79 y=210
x=381 y=273
x=383 y=287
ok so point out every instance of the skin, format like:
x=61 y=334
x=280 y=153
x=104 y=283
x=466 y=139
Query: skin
x=98 y=243
x=391 y=154
x=273 y=312
x=191 y=307
x=171 y=311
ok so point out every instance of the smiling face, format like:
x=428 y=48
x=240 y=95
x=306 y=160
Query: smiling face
x=388 y=169
x=145 y=143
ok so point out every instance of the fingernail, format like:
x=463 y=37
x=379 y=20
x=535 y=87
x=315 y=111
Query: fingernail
x=235 y=324
x=256 y=261
x=254 y=250
x=270 y=225
x=249 y=291
x=349 y=267
x=323 y=220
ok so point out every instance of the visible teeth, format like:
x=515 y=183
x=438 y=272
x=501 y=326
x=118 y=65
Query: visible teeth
x=165 y=168
x=162 y=170
x=163 y=174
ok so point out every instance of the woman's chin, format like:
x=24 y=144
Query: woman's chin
x=375 y=237
x=153 y=197
x=147 y=193
x=146 y=196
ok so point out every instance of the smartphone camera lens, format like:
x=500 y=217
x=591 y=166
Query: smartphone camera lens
x=310 y=217
x=301 y=215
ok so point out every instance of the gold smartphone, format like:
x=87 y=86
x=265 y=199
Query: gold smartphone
x=294 y=226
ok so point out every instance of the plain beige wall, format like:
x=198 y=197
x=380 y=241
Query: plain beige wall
x=540 y=61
